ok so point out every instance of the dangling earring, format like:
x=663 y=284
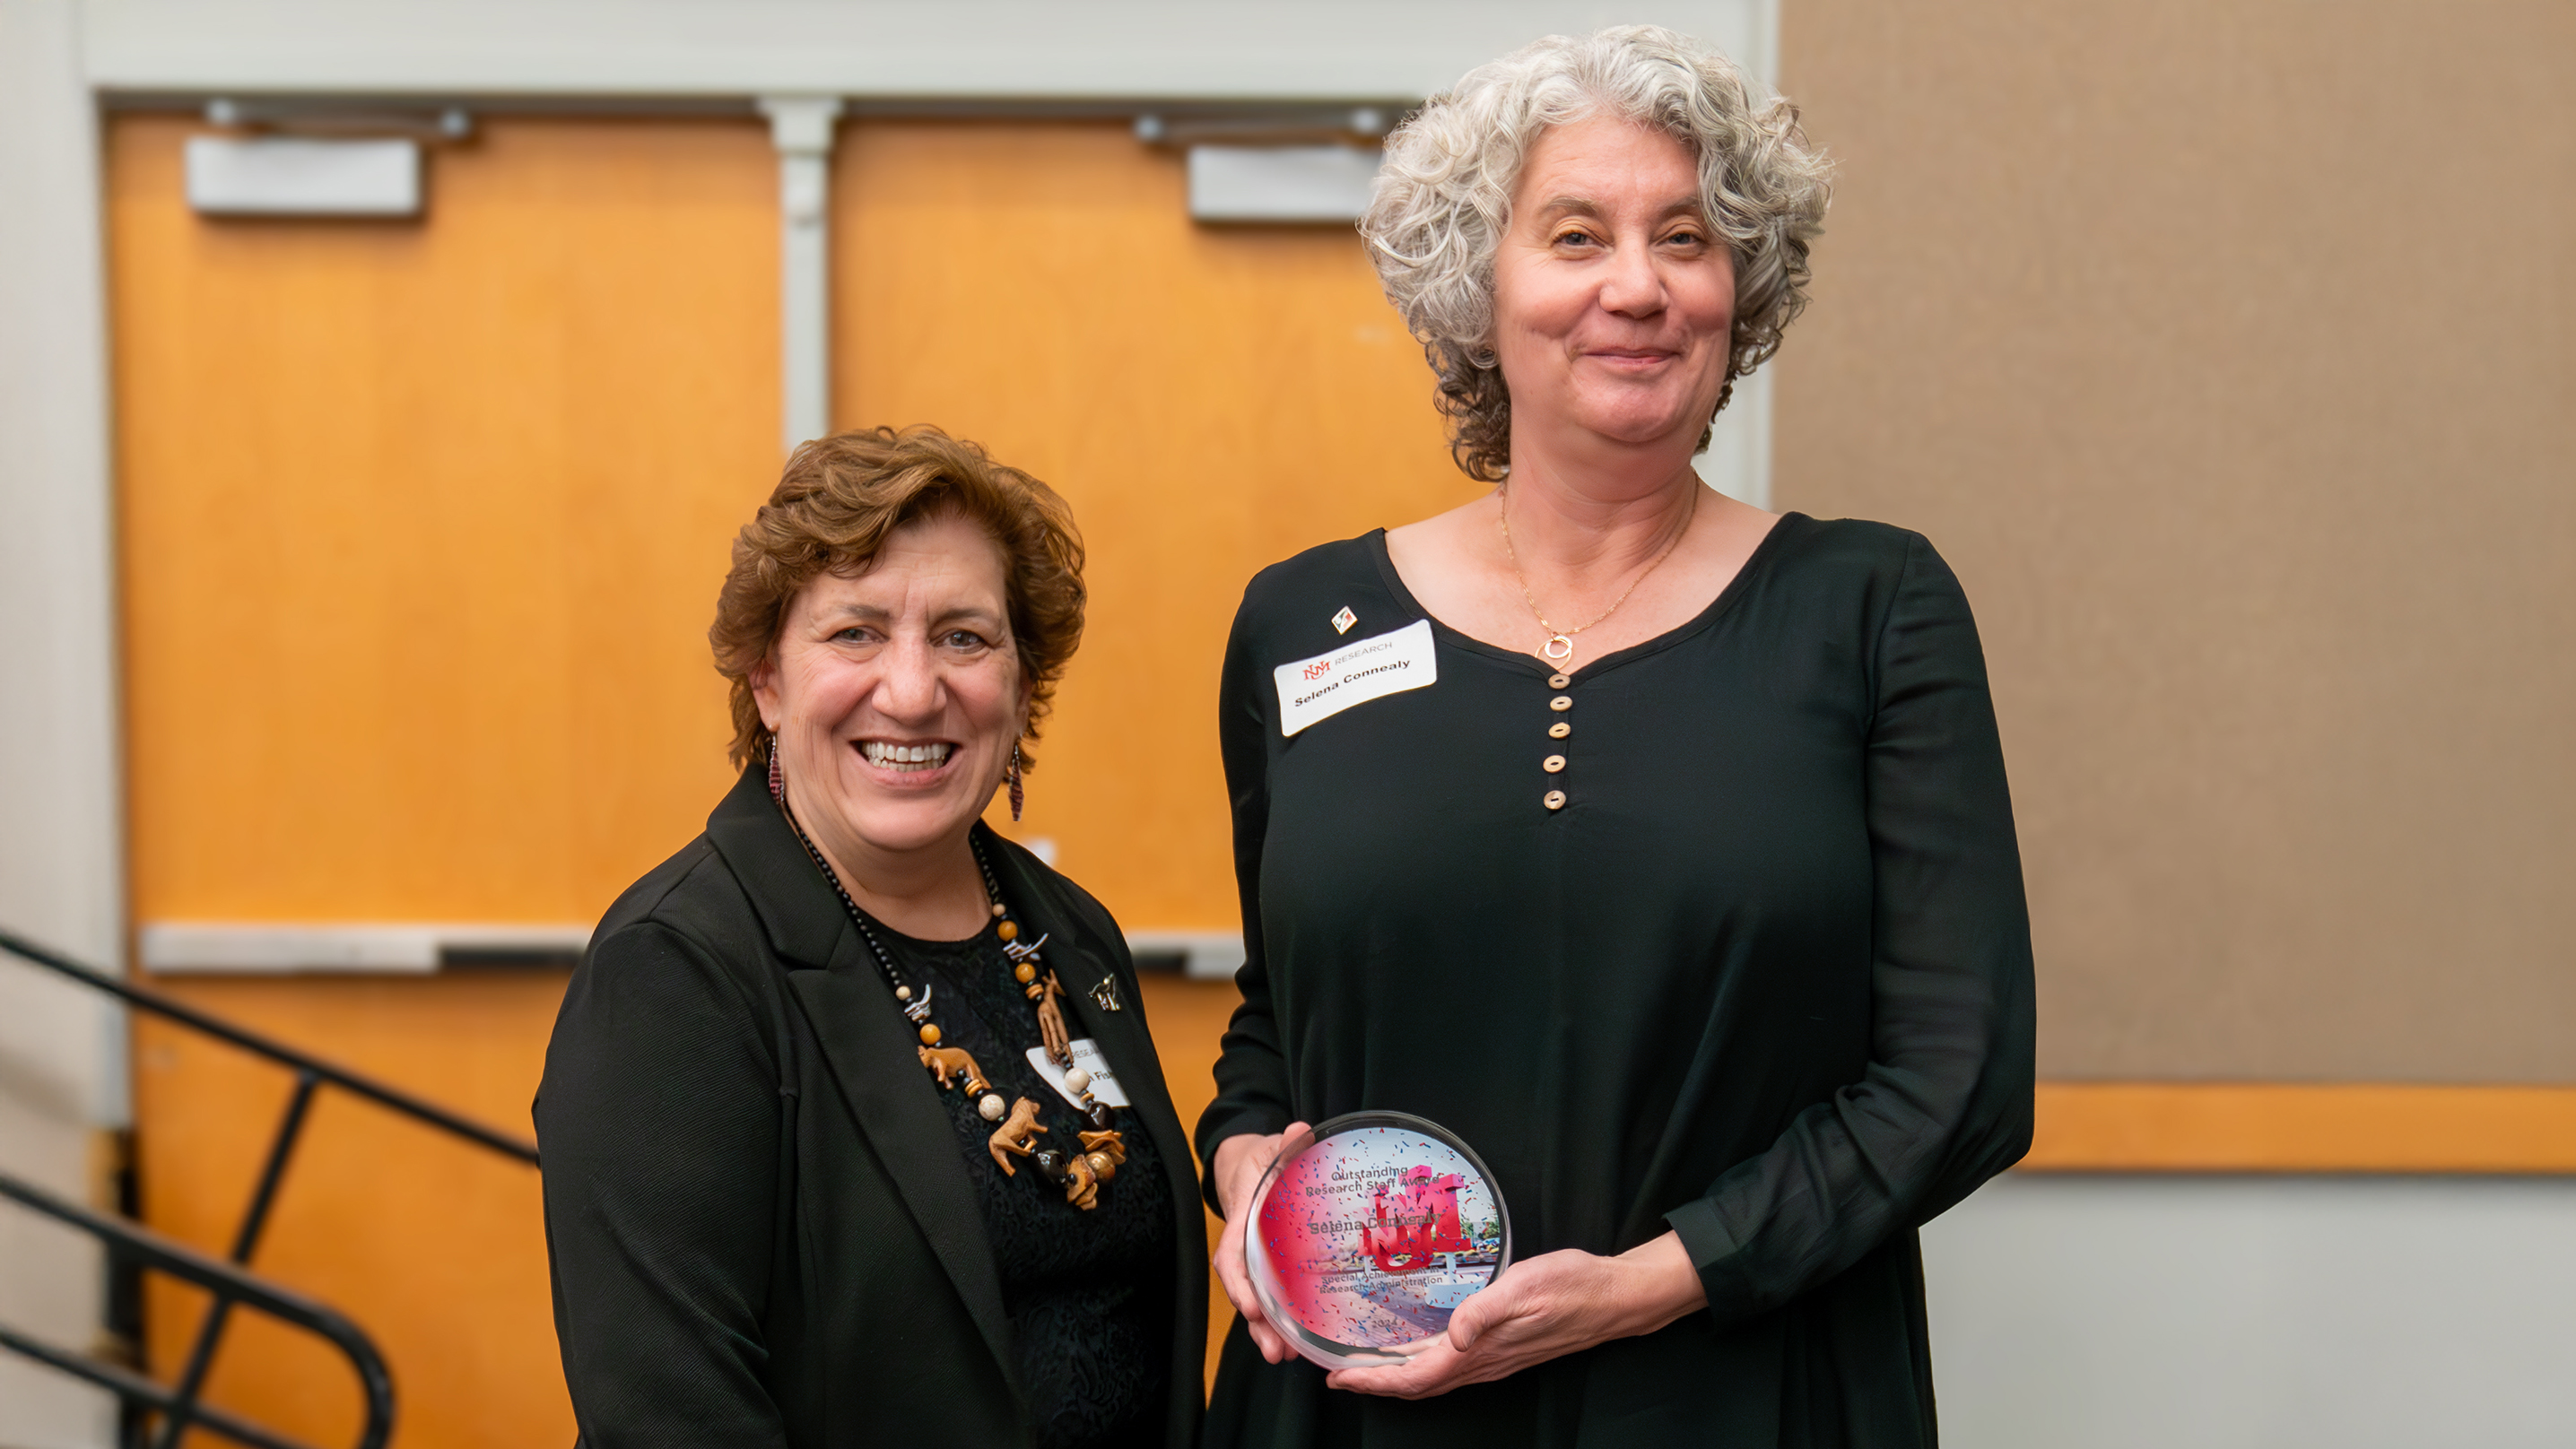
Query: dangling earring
x=777 y=783
x=1019 y=793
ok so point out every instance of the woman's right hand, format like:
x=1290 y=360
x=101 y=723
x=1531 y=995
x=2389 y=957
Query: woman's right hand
x=1240 y=1161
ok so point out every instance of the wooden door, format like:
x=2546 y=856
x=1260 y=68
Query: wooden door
x=420 y=525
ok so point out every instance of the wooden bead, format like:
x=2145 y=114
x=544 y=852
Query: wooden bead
x=1100 y=1115
x=1077 y=1081
x=930 y=1033
x=903 y=993
x=1025 y=972
x=1101 y=1167
x=997 y=908
x=991 y=1107
x=1008 y=930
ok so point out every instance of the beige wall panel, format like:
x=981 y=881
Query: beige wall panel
x=1210 y=400
x=2225 y=349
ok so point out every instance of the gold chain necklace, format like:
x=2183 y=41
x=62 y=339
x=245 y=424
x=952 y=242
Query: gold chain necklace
x=1559 y=648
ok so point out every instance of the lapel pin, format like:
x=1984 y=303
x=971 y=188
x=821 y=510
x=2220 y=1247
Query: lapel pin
x=1106 y=993
x=1343 y=621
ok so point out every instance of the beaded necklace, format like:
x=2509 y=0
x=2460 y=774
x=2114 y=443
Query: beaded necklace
x=1080 y=1174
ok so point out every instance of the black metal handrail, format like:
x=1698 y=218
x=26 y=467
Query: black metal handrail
x=229 y=1285
x=284 y=1055
x=180 y=1404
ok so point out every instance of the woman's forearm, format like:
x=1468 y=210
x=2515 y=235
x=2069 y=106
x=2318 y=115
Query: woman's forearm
x=1544 y=1308
x=1588 y=1299
x=1662 y=1284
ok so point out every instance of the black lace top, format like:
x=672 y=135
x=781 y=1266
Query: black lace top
x=1089 y=1293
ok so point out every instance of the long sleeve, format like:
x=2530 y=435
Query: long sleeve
x=658 y=1123
x=1252 y=1084
x=1945 y=1102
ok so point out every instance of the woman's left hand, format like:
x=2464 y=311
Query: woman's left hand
x=1542 y=1308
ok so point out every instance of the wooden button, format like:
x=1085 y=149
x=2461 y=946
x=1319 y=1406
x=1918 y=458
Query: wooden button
x=1559 y=730
x=1559 y=681
x=1561 y=703
x=1553 y=799
x=1552 y=763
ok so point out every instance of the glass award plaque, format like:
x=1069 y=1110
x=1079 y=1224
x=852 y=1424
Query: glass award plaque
x=1367 y=1232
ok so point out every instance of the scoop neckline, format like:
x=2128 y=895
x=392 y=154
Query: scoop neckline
x=1679 y=633
x=961 y=945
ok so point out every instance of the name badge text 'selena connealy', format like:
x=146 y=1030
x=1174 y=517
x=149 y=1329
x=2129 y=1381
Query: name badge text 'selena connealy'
x=1357 y=672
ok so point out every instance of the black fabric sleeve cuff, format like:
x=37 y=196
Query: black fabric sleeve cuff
x=1222 y=1122
x=1715 y=1253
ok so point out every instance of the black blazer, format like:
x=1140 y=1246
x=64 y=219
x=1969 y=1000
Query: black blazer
x=761 y=1231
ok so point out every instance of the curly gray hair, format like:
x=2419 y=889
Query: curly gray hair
x=1443 y=201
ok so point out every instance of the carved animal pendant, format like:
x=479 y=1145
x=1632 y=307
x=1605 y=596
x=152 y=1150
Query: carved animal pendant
x=1059 y=1045
x=1082 y=1182
x=1012 y=1137
x=945 y=1062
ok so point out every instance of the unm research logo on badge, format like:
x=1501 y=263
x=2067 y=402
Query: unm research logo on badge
x=1362 y=670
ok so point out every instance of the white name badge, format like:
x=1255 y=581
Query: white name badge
x=1086 y=1055
x=1357 y=672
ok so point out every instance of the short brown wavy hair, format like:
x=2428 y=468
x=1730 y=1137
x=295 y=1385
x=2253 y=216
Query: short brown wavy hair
x=835 y=505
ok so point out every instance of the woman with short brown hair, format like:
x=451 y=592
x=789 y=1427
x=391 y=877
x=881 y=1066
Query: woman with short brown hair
x=853 y=1133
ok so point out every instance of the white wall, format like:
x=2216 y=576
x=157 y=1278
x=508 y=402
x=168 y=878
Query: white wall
x=2118 y=1312
x=61 y=1061
x=1014 y=49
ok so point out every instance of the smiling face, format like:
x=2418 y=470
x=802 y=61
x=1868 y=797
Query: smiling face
x=1614 y=303
x=896 y=695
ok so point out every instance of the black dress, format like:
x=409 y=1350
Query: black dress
x=1761 y=974
x=1089 y=1293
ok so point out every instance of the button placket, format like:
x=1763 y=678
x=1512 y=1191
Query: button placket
x=1555 y=764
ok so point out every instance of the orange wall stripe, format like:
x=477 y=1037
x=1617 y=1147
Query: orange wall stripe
x=2286 y=1127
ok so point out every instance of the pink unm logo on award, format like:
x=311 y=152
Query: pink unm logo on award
x=1414 y=1218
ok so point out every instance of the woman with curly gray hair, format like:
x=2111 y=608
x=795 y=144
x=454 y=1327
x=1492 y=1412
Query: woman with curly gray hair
x=1656 y=845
